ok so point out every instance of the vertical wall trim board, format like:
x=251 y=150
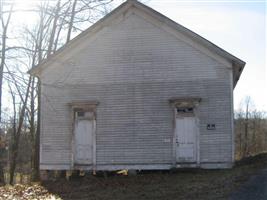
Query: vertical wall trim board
x=94 y=145
x=198 y=135
x=232 y=114
x=72 y=138
x=174 y=136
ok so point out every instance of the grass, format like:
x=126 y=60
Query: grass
x=158 y=185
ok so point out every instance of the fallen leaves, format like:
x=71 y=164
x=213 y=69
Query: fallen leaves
x=26 y=192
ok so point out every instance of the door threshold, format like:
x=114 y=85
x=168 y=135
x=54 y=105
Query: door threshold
x=187 y=165
x=83 y=165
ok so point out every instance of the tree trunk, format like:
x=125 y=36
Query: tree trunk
x=254 y=143
x=13 y=158
x=3 y=51
x=53 y=32
x=2 y=64
x=240 y=137
x=36 y=161
x=17 y=133
x=71 y=20
x=32 y=130
x=246 y=130
x=2 y=177
x=1 y=86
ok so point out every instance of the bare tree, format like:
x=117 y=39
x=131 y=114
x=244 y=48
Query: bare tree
x=71 y=20
x=17 y=126
x=54 y=27
x=246 y=145
x=250 y=130
x=60 y=12
x=5 y=25
x=4 y=30
x=58 y=20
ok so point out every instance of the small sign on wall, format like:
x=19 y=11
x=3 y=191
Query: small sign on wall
x=211 y=126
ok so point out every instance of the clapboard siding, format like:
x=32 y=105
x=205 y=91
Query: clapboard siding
x=122 y=60
x=131 y=130
x=132 y=69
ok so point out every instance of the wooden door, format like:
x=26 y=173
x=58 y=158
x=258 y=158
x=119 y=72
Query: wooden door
x=185 y=139
x=84 y=127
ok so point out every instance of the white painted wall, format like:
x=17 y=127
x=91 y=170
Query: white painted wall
x=133 y=67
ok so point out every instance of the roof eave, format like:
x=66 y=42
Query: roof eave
x=238 y=67
x=35 y=71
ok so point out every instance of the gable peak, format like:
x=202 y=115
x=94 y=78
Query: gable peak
x=132 y=1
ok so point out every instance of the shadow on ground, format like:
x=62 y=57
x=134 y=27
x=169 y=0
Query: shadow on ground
x=180 y=184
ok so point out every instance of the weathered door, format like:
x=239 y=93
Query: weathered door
x=185 y=139
x=83 y=144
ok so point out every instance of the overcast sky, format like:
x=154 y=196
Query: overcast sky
x=238 y=27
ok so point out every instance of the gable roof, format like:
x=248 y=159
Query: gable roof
x=237 y=64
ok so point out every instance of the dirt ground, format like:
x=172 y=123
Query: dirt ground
x=158 y=185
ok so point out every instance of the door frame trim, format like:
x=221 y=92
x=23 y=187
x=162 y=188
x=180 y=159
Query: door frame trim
x=196 y=141
x=185 y=102
x=85 y=106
